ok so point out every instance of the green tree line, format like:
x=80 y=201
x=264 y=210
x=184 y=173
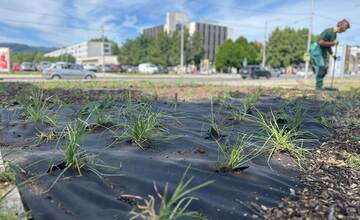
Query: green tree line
x=236 y=53
x=162 y=50
x=287 y=47
x=37 y=57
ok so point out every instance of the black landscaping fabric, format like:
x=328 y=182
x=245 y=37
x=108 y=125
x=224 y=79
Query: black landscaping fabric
x=91 y=198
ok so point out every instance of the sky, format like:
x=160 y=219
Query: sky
x=58 y=23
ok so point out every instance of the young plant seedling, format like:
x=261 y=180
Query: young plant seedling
x=216 y=126
x=250 y=101
x=282 y=139
x=76 y=158
x=244 y=112
x=37 y=108
x=291 y=117
x=143 y=126
x=171 y=207
x=234 y=157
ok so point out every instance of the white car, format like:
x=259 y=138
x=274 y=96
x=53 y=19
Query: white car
x=90 y=67
x=148 y=68
x=28 y=66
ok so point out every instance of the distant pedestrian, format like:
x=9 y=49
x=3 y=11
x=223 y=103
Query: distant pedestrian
x=319 y=51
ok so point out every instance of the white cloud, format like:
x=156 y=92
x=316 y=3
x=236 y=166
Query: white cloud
x=124 y=18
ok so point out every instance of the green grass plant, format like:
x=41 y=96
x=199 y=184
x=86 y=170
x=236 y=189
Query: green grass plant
x=142 y=126
x=36 y=109
x=235 y=156
x=282 y=139
x=76 y=158
x=174 y=206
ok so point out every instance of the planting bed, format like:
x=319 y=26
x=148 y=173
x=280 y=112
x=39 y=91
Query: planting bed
x=89 y=196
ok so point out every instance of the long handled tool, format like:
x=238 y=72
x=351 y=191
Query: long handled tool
x=333 y=69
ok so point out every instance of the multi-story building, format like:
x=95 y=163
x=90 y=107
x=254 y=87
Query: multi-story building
x=213 y=35
x=154 y=31
x=84 y=50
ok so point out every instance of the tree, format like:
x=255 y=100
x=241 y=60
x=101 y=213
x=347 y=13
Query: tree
x=227 y=56
x=196 y=49
x=287 y=47
x=233 y=54
x=162 y=50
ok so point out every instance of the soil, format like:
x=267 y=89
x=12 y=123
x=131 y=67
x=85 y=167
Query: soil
x=332 y=187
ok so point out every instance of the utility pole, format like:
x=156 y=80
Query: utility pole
x=102 y=48
x=309 y=38
x=182 y=49
x=264 y=46
x=265 y=39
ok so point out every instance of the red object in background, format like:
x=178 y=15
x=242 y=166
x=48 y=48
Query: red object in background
x=258 y=44
x=16 y=67
x=3 y=62
x=115 y=68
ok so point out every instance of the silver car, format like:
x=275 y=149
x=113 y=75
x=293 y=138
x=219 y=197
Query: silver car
x=63 y=70
x=27 y=66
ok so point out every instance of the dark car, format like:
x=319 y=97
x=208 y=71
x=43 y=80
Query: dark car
x=127 y=69
x=255 y=72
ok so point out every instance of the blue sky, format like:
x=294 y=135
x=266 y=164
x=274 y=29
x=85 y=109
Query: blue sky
x=64 y=22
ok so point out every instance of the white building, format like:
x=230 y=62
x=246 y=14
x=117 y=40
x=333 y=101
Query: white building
x=85 y=50
x=348 y=62
x=213 y=35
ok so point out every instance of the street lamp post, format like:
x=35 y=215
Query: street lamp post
x=309 y=37
x=182 y=48
x=265 y=39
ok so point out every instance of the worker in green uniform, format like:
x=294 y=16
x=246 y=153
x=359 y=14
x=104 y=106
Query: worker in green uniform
x=319 y=51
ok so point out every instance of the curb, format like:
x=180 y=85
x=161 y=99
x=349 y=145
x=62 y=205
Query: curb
x=13 y=200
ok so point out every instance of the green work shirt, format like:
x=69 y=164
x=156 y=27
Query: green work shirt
x=327 y=35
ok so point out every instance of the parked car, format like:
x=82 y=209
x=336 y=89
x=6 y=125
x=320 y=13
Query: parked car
x=116 y=68
x=27 y=66
x=106 y=68
x=127 y=69
x=148 y=68
x=276 y=73
x=255 y=72
x=16 y=67
x=163 y=69
x=90 y=67
x=43 y=65
x=63 y=70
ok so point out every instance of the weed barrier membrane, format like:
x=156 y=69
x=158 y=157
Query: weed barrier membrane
x=89 y=197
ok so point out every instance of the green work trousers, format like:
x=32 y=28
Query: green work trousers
x=319 y=64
